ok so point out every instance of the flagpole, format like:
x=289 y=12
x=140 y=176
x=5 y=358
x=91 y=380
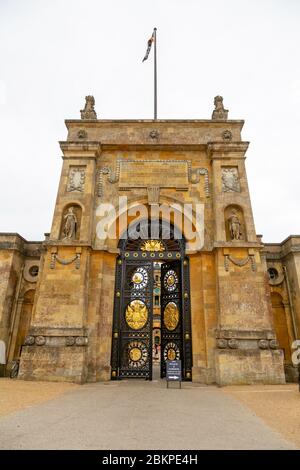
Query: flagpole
x=155 y=77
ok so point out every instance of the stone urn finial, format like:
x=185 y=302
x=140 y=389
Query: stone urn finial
x=89 y=112
x=219 y=113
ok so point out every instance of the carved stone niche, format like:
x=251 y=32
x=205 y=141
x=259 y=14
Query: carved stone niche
x=71 y=223
x=234 y=223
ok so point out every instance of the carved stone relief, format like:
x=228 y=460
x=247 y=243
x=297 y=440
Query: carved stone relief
x=233 y=343
x=263 y=344
x=153 y=194
x=113 y=177
x=40 y=340
x=230 y=180
x=54 y=341
x=29 y=341
x=55 y=258
x=154 y=134
x=222 y=343
x=184 y=173
x=227 y=136
x=239 y=262
x=194 y=177
x=82 y=134
x=246 y=340
x=76 y=179
x=274 y=344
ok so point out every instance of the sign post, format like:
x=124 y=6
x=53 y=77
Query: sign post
x=174 y=373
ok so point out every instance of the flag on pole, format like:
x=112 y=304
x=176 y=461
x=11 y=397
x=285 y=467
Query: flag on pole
x=149 y=44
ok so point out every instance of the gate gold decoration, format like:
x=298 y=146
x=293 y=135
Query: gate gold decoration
x=137 y=354
x=170 y=280
x=171 y=352
x=152 y=245
x=136 y=314
x=171 y=316
x=140 y=278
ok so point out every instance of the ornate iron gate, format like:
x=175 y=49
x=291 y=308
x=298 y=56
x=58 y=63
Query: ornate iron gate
x=132 y=322
x=132 y=329
x=171 y=314
x=175 y=316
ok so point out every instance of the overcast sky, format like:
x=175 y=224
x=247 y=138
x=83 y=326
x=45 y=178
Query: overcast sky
x=54 y=52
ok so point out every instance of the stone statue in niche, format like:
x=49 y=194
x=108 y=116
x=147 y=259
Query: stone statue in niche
x=89 y=112
x=70 y=225
x=219 y=113
x=234 y=226
x=230 y=180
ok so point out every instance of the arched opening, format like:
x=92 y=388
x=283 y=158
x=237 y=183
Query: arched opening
x=24 y=322
x=280 y=325
x=152 y=320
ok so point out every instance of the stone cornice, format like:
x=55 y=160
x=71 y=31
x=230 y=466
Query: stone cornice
x=80 y=149
x=221 y=150
x=27 y=249
x=154 y=146
x=67 y=244
x=158 y=122
x=284 y=253
x=93 y=149
x=237 y=244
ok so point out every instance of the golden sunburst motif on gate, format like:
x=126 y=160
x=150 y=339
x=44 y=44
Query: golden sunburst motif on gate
x=171 y=316
x=137 y=354
x=152 y=245
x=171 y=352
x=136 y=314
x=170 y=280
x=140 y=278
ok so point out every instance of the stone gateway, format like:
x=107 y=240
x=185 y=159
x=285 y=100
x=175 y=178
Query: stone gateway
x=109 y=295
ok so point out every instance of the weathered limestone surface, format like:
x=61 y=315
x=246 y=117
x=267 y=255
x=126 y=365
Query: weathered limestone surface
x=283 y=264
x=17 y=257
x=234 y=337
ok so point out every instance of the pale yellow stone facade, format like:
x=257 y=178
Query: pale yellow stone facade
x=68 y=321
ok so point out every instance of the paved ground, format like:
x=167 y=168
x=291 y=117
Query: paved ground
x=139 y=415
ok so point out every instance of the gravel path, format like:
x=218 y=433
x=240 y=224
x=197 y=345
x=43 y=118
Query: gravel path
x=139 y=415
x=18 y=394
x=278 y=406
